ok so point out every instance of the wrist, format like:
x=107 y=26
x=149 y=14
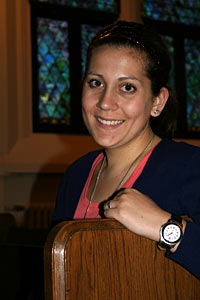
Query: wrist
x=171 y=233
x=157 y=222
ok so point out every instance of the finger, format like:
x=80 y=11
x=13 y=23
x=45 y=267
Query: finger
x=119 y=193
x=110 y=213
x=110 y=204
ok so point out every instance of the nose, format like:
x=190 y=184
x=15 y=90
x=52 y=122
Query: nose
x=107 y=100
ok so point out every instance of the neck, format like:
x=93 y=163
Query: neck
x=129 y=152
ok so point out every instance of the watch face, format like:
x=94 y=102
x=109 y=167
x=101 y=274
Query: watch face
x=172 y=233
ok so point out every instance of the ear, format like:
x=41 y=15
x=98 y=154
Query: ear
x=159 y=102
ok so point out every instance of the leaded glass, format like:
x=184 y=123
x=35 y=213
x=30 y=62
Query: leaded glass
x=192 y=56
x=103 y=5
x=169 y=43
x=87 y=33
x=177 y=11
x=53 y=71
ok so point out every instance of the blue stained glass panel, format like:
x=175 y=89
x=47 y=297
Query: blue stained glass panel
x=87 y=33
x=169 y=43
x=102 y=5
x=177 y=11
x=192 y=65
x=53 y=71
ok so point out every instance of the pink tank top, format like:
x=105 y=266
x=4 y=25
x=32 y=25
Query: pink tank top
x=93 y=210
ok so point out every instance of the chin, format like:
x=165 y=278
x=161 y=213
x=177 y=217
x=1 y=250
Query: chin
x=103 y=142
x=107 y=143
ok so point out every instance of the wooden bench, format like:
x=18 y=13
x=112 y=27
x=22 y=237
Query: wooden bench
x=100 y=259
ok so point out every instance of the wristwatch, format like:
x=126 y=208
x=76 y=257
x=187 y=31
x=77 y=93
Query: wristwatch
x=170 y=233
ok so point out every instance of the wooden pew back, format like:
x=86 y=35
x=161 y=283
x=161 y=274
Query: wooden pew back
x=100 y=259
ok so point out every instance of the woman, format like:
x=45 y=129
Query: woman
x=145 y=182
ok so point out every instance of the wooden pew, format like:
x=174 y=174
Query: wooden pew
x=100 y=259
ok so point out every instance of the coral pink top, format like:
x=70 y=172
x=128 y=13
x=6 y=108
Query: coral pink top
x=93 y=210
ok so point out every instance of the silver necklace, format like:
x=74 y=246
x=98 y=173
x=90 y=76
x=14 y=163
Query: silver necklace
x=124 y=177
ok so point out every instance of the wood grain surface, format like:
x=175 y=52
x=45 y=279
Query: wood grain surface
x=100 y=259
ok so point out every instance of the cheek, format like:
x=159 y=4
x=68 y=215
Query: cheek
x=137 y=109
x=89 y=100
x=133 y=108
x=88 y=104
x=84 y=100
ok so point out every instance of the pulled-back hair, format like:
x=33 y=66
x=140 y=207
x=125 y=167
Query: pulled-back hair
x=148 y=42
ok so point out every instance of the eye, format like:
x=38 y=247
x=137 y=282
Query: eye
x=94 y=83
x=128 y=88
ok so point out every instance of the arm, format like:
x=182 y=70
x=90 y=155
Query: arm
x=139 y=214
x=173 y=184
x=143 y=216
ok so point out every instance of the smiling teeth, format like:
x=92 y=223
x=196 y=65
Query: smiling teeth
x=104 y=122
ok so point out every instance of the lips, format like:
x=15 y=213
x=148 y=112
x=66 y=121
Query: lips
x=109 y=122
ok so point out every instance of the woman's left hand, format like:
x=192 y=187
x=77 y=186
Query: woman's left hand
x=137 y=212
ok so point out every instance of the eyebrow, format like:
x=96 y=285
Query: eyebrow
x=95 y=74
x=128 y=78
x=119 y=79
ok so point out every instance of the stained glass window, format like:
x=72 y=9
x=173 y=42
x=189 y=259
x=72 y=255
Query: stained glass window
x=192 y=57
x=61 y=32
x=103 y=5
x=53 y=71
x=169 y=43
x=176 y=11
x=179 y=21
x=87 y=33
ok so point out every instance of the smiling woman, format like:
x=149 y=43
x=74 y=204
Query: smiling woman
x=117 y=99
x=138 y=176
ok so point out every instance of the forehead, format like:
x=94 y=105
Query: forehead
x=117 y=56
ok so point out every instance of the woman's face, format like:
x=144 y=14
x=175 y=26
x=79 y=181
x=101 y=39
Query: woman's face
x=117 y=100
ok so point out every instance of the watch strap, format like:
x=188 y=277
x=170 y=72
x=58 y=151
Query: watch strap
x=176 y=219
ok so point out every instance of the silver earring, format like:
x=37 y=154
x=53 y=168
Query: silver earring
x=156 y=111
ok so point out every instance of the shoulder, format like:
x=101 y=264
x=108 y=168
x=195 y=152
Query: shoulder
x=85 y=161
x=72 y=186
x=171 y=158
x=177 y=151
x=81 y=166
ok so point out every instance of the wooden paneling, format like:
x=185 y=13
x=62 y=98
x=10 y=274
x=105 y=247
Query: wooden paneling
x=102 y=260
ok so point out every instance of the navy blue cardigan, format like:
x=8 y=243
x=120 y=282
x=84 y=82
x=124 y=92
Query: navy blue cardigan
x=171 y=178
